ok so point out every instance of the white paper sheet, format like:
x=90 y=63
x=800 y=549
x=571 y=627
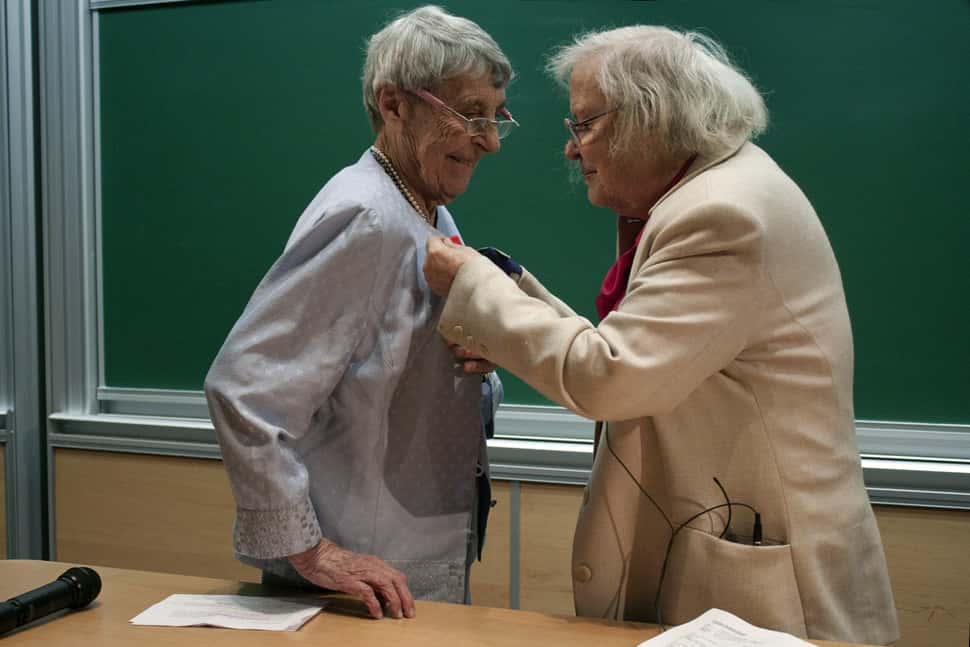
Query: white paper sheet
x=230 y=611
x=717 y=628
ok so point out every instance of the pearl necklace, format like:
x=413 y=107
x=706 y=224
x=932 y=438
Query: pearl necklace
x=392 y=172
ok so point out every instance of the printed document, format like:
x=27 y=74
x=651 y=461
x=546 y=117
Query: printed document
x=717 y=628
x=230 y=611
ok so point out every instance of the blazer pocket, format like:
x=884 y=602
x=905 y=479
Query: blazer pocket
x=756 y=583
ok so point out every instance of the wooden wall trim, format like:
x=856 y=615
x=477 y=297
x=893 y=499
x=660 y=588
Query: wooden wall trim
x=3 y=505
x=172 y=514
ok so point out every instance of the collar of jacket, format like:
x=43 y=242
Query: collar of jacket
x=697 y=167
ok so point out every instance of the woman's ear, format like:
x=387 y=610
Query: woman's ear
x=392 y=104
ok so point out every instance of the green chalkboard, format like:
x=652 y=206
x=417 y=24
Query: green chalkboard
x=219 y=122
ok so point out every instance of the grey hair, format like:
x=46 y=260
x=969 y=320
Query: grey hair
x=679 y=91
x=425 y=46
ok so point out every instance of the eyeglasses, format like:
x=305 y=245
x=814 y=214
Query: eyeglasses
x=475 y=126
x=577 y=128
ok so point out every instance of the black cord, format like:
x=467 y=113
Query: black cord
x=756 y=535
x=727 y=499
x=663 y=569
x=606 y=436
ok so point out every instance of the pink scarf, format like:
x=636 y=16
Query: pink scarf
x=614 y=285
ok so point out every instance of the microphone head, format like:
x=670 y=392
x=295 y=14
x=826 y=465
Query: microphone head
x=85 y=585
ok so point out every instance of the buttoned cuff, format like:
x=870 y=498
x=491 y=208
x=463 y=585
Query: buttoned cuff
x=454 y=325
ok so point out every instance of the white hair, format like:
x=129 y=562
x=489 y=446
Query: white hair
x=425 y=46
x=677 y=91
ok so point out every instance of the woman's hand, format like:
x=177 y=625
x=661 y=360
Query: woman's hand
x=444 y=260
x=365 y=577
x=470 y=362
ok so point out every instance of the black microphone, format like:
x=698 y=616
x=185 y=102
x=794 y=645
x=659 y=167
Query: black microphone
x=76 y=588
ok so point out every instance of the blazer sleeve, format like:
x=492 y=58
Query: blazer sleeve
x=531 y=286
x=279 y=364
x=689 y=310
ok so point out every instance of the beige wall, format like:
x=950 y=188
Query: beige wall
x=490 y=577
x=145 y=512
x=175 y=514
x=927 y=551
x=3 y=508
x=545 y=545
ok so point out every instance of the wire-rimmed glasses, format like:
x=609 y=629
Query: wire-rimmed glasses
x=577 y=128
x=475 y=126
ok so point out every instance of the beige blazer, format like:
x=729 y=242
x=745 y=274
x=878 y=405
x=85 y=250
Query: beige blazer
x=730 y=357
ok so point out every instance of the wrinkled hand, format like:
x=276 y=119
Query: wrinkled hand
x=364 y=577
x=444 y=260
x=470 y=362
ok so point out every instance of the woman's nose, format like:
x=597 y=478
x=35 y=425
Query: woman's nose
x=489 y=140
x=572 y=149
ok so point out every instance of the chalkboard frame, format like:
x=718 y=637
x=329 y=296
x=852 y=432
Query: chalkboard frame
x=78 y=406
x=890 y=360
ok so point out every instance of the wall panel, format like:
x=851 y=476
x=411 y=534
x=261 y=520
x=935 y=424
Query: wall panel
x=175 y=515
x=115 y=519
x=145 y=512
x=3 y=506
x=547 y=522
x=490 y=577
x=930 y=570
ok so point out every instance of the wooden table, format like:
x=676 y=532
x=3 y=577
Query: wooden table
x=124 y=594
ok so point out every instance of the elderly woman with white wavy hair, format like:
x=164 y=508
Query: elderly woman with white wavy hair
x=355 y=453
x=722 y=364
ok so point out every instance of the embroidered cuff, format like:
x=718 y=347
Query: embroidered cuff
x=280 y=532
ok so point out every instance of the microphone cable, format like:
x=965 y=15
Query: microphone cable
x=756 y=533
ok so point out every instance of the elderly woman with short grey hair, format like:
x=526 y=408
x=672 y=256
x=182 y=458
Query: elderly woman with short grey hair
x=354 y=451
x=728 y=473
